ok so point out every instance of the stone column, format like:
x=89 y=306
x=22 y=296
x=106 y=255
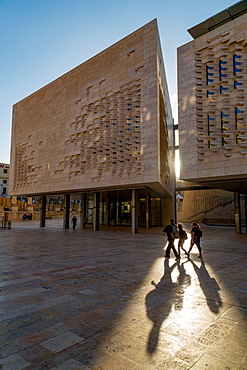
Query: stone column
x=66 y=211
x=237 y=212
x=42 y=210
x=107 y=218
x=134 y=212
x=148 y=211
x=96 y=203
x=81 y=212
x=245 y=209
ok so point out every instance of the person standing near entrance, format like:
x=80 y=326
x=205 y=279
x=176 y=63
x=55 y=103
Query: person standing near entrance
x=169 y=231
x=74 y=222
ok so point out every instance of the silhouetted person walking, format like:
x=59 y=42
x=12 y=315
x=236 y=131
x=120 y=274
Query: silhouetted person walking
x=181 y=240
x=196 y=235
x=74 y=222
x=168 y=230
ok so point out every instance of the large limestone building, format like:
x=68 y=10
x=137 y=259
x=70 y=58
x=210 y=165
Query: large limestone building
x=103 y=133
x=212 y=83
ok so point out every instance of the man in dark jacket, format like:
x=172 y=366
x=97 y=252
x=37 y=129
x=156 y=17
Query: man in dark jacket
x=74 y=222
x=168 y=231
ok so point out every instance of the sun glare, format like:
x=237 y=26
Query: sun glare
x=177 y=164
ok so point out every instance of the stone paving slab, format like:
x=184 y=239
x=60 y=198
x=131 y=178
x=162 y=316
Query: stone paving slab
x=79 y=299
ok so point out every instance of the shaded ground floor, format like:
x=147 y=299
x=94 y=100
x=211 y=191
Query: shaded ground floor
x=212 y=206
x=76 y=299
x=140 y=207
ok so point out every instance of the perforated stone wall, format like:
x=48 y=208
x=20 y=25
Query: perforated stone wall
x=102 y=125
x=220 y=97
x=106 y=135
x=212 y=85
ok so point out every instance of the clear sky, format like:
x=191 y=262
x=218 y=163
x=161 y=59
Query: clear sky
x=41 y=40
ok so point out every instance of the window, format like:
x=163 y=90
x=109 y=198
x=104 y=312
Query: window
x=236 y=63
x=210 y=129
x=4 y=191
x=5 y=171
x=5 y=181
x=223 y=127
x=209 y=94
x=209 y=74
x=222 y=69
x=238 y=123
x=236 y=84
x=222 y=89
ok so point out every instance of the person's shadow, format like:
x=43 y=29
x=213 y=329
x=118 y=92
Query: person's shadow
x=209 y=286
x=164 y=296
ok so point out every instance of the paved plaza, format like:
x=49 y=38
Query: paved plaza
x=79 y=299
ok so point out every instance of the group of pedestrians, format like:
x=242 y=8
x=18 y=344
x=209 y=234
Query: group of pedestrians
x=28 y=216
x=174 y=232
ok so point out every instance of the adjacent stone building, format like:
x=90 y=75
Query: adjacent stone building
x=212 y=83
x=102 y=133
x=4 y=178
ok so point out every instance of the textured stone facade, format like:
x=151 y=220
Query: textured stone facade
x=105 y=124
x=208 y=206
x=212 y=82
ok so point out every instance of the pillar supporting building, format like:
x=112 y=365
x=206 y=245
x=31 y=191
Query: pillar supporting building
x=42 y=210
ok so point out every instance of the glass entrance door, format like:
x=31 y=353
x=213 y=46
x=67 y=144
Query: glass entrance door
x=119 y=211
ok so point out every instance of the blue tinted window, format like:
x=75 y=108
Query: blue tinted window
x=236 y=84
x=222 y=89
x=209 y=93
x=222 y=69
x=223 y=128
x=210 y=129
x=209 y=74
x=237 y=111
x=236 y=63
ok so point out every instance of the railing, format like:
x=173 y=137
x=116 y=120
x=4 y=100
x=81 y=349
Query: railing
x=201 y=213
